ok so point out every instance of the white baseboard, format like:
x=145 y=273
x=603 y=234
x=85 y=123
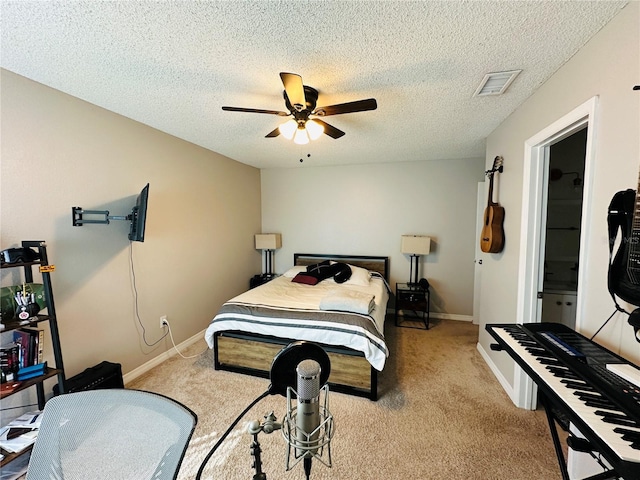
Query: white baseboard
x=508 y=388
x=452 y=316
x=442 y=316
x=154 y=362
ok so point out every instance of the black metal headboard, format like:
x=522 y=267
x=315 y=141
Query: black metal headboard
x=373 y=263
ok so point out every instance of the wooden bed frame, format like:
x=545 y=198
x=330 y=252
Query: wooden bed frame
x=252 y=354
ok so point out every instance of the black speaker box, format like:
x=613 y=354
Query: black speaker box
x=103 y=375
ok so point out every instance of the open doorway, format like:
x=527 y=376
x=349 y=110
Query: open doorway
x=533 y=227
x=563 y=227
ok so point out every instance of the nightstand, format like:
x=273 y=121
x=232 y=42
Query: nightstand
x=258 y=280
x=413 y=301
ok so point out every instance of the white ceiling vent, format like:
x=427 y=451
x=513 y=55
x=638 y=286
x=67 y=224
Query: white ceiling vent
x=496 y=83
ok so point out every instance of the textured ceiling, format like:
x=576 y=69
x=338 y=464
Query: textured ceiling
x=173 y=65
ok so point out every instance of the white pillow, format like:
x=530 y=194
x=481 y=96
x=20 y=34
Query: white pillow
x=293 y=271
x=359 y=276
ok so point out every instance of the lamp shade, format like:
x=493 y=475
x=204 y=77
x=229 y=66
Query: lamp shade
x=301 y=137
x=288 y=129
x=314 y=129
x=268 y=241
x=416 y=244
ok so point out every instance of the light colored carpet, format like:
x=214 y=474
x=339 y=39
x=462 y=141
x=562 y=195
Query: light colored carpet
x=441 y=414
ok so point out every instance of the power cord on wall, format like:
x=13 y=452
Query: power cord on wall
x=135 y=302
x=166 y=322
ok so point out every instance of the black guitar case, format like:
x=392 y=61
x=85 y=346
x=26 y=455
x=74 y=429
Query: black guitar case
x=620 y=218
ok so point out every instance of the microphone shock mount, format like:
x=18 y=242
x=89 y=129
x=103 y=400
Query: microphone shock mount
x=308 y=445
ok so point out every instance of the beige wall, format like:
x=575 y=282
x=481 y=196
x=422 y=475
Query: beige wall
x=365 y=209
x=59 y=152
x=607 y=67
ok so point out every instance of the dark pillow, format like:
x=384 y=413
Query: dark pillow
x=315 y=273
x=306 y=278
x=342 y=272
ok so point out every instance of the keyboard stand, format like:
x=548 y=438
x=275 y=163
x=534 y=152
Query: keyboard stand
x=557 y=445
x=551 y=419
x=554 y=435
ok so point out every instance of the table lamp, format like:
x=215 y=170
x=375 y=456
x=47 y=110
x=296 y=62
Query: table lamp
x=415 y=245
x=268 y=242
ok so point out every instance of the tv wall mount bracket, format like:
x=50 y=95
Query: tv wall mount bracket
x=78 y=216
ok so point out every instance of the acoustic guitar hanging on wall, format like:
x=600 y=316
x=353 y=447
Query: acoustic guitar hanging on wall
x=492 y=236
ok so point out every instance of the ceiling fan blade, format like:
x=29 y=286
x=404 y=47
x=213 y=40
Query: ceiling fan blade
x=349 y=107
x=255 y=110
x=330 y=130
x=273 y=133
x=295 y=90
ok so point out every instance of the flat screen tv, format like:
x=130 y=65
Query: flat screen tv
x=139 y=216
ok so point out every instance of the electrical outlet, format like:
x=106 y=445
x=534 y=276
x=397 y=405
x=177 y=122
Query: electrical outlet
x=163 y=321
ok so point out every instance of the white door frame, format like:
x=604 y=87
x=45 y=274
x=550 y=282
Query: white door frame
x=477 y=271
x=530 y=274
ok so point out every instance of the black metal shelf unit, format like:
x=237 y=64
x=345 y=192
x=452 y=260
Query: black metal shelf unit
x=45 y=271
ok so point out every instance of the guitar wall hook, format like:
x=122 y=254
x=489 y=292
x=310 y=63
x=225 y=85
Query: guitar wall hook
x=492 y=236
x=500 y=168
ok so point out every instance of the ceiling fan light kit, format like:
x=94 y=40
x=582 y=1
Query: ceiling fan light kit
x=314 y=129
x=288 y=129
x=301 y=137
x=301 y=100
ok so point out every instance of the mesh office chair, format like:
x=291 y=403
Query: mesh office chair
x=111 y=434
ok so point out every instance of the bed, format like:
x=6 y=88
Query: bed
x=250 y=329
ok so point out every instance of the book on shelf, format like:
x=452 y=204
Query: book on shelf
x=9 y=362
x=22 y=340
x=36 y=341
x=31 y=345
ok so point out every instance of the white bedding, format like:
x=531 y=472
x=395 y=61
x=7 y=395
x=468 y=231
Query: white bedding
x=283 y=295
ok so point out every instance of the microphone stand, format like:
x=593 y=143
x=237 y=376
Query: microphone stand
x=306 y=461
x=226 y=434
x=257 y=462
x=269 y=425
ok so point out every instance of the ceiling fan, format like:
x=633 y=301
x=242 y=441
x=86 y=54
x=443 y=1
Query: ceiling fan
x=301 y=100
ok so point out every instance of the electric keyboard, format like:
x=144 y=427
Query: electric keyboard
x=571 y=371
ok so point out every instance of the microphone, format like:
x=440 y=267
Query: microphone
x=308 y=427
x=308 y=410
